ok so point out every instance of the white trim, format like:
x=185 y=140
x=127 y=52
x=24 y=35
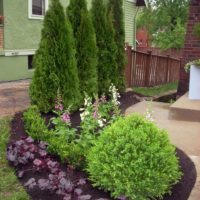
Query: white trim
x=20 y=52
x=133 y=1
x=31 y=16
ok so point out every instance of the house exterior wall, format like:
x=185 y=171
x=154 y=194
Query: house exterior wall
x=20 y=32
x=129 y=20
x=1 y=36
x=22 y=36
x=14 y=68
x=191 y=50
x=1 y=7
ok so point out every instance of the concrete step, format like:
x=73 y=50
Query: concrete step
x=185 y=109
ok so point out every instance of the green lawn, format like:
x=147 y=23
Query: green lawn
x=10 y=188
x=153 y=91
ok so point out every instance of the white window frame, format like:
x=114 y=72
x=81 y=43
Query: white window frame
x=30 y=14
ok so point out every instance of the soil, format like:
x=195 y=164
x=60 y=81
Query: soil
x=167 y=98
x=180 y=191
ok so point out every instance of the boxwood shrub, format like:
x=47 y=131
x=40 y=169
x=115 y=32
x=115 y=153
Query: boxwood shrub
x=35 y=125
x=133 y=158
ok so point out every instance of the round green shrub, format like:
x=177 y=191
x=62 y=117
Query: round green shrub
x=133 y=158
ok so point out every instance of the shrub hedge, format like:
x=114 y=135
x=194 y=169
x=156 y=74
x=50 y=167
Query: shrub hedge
x=133 y=158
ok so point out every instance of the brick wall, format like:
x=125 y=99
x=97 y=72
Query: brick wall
x=1 y=37
x=191 y=49
x=142 y=38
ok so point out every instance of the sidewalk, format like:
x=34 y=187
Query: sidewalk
x=13 y=97
x=183 y=134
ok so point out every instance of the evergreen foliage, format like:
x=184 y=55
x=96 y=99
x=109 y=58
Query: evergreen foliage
x=85 y=46
x=74 y=12
x=133 y=159
x=111 y=49
x=165 y=22
x=106 y=46
x=118 y=19
x=55 y=63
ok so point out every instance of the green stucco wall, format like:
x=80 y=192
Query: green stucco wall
x=20 y=32
x=14 y=68
x=1 y=7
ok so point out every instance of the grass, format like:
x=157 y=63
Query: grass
x=153 y=91
x=10 y=188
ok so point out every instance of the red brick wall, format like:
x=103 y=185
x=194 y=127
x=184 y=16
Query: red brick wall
x=1 y=37
x=142 y=38
x=191 y=49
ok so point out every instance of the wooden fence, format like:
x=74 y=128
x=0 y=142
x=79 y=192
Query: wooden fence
x=147 y=69
x=175 y=53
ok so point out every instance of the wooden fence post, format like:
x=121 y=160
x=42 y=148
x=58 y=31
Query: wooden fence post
x=128 y=69
x=147 y=69
x=167 y=69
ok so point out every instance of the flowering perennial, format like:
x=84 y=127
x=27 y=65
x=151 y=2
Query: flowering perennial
x=114 y=94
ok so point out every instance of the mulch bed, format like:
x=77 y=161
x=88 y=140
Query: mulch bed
x=180 y=191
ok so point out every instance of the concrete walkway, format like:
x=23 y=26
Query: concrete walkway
x=185 y=135
x=13 y=97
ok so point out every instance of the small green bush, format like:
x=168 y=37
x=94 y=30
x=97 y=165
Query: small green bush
x=133 y=158
x=35 y=125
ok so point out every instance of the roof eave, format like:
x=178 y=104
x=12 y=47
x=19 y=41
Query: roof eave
x=140 y=3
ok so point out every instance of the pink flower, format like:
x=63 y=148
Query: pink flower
x=95 y=115
x=65 y=118
x=59 y=107
x=103 y=99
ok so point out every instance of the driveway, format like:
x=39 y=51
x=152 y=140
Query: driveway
x=13 y=97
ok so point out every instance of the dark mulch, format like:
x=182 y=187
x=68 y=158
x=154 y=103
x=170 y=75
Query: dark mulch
x=180 y=191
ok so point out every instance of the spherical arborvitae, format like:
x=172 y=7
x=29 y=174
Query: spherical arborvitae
x=117 y=8
x=105 y=48
x=55 y=63
x=133 y=158
x=85 y=46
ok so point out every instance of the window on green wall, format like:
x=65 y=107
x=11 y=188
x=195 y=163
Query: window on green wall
x=30 y=61
x=37 y=8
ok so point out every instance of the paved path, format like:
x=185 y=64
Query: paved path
x=13 y=97
x=184 y=135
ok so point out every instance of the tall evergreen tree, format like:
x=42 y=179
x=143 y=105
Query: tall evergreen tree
x=87 y=56
x=85 y=45
x=106 y=48
x=55 y=63
x=111 y=49
x=118 y=15
x=74 y=11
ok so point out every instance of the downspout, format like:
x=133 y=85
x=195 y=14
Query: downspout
x=134 y=27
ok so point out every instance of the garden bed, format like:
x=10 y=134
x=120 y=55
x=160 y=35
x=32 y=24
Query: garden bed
x=180 y=191
x=168 y=98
